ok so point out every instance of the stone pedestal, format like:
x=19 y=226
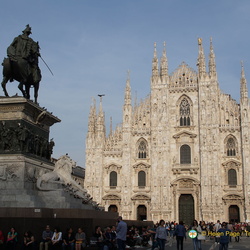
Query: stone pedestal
x=25 y=156
x=24 y=128
x=25 y=151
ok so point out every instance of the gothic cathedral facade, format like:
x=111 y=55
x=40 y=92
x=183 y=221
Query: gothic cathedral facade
x=181 y=154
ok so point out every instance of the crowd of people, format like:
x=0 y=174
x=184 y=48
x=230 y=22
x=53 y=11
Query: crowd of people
x=120 y=236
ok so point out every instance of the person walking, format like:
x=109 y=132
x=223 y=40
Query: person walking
x=196 y=241
x=224 y=236
x=180 y=234
x=121 y=233
x=161 y=235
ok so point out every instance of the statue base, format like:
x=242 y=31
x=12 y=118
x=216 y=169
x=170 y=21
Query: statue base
x=24 y=128
x=25 y=155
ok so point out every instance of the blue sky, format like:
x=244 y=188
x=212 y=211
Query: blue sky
x=90 y=45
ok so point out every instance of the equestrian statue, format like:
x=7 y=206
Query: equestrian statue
x=22 y=64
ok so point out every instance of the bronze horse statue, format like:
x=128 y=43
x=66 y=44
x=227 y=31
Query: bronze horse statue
x=22 y=64
x=16 y=71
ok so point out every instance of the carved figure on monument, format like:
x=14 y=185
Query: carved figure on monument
x=3 y=136
x=36 y=144
x=22 y=64
x=3 y=174
x=22 y=135
x=62 y=175
x=50 y=147
x=30 y=174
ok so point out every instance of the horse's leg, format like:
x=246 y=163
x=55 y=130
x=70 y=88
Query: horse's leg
x=20 y=86
x=4 y=82
x=27 y=90
x=36 y=88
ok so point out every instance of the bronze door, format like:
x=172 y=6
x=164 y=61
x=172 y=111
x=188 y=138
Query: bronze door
x=234 y=213
x=141 y=213
x=186 y=209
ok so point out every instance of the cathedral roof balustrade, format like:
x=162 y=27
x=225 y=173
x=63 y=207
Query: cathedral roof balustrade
x=229 y=128
x=113 y=153
x=141 y=131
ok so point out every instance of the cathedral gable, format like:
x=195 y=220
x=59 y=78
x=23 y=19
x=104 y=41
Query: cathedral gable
x=113 y=167
x=231 y=164
x=140 y=197
x=183 y=77
x=184 y=134
x=111 y=197
x=141 y=165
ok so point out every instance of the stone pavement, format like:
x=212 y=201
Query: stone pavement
x=244 y=243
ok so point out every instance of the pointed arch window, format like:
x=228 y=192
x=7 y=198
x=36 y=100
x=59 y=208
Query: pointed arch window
x=184 y=112
x=113 y=179
x=185 y=154
x=231 y=147
x=141 y=179
x=232 y=177
x=142 y=149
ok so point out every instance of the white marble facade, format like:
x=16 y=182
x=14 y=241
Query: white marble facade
x=182 y=153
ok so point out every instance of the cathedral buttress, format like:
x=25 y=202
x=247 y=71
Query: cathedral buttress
x=245 y=133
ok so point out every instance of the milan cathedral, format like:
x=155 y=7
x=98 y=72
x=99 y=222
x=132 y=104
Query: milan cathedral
x=181 y=154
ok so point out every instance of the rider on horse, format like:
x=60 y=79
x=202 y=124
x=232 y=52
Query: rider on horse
x=25 y=52
x=22 y=64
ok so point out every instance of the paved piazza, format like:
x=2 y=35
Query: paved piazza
x=244 y=243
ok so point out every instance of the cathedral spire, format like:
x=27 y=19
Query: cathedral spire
x=127 y=99
x=100 y=118
x=110 y=126
x=243 y=86
x=201 y=59
x=155 y=66
x=92 y=116
x=212 y=64
x=164 y=64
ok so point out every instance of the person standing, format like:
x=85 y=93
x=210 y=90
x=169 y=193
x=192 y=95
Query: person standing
x=224 y=236
x=180 y=234
x=217 y=226
x=161 y=235
x=196 y=241
x=121 y=233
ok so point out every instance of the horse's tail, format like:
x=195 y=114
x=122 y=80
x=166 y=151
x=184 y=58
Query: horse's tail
x=6 y=67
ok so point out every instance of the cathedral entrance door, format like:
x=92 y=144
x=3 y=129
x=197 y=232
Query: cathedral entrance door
x=113 y=208
x=234 y=213
x=186 y=209
x=141 y=212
